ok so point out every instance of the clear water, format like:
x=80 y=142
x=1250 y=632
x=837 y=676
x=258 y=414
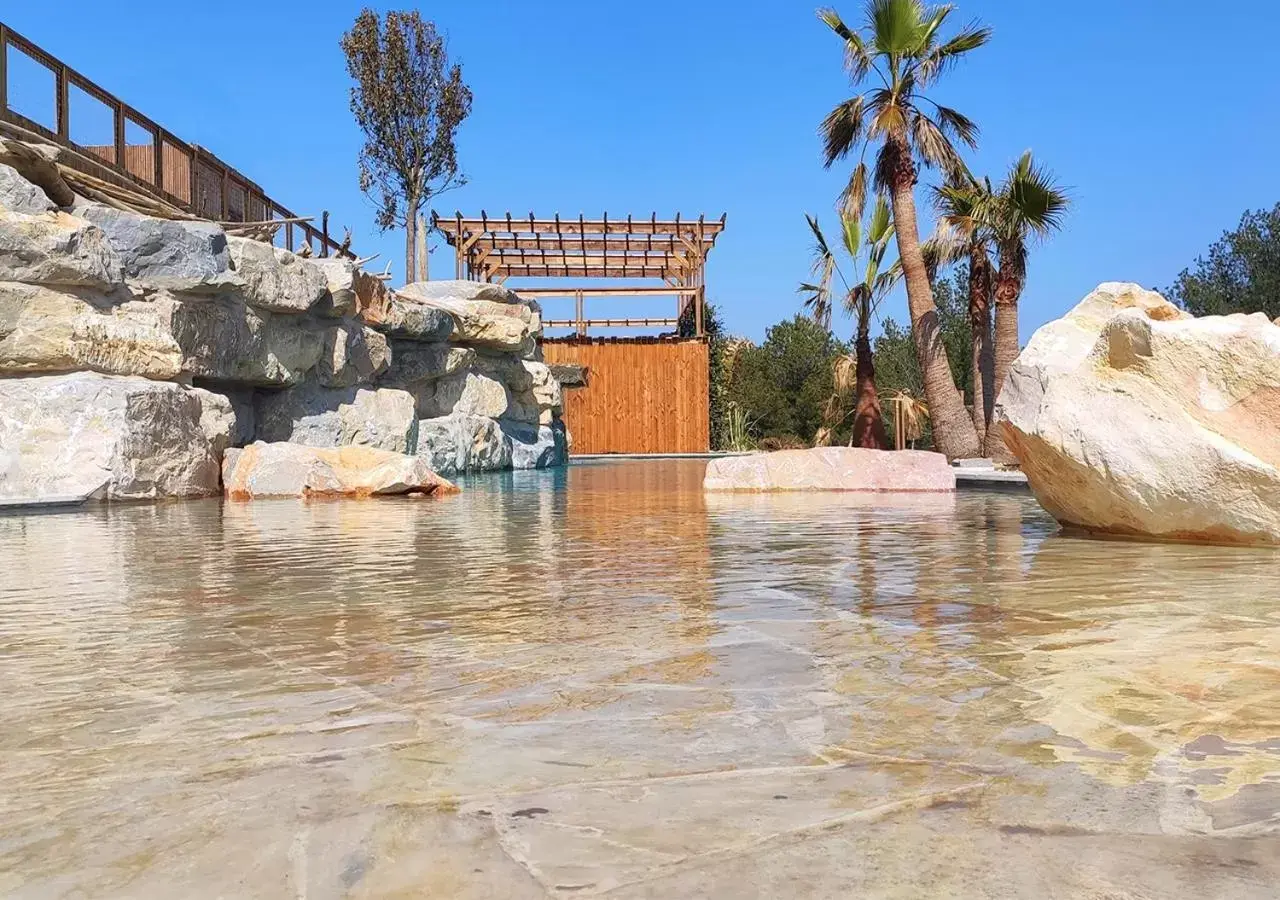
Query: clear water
x=600 y=681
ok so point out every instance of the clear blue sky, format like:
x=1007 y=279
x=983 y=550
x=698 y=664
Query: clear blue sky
x=1159 y=115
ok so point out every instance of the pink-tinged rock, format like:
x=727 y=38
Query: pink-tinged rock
x=293 y=470
x=832 y=469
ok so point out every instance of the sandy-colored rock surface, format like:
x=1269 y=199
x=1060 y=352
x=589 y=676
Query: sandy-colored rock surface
x=831 y=469
x=1131 y=418
x=292 y=470
x=68 y=435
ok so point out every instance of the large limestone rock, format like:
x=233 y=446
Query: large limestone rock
x=340 y=296
x=537 y=446
x=409 y=320
x=464 y=443
x=831 y=469
x=353 y=354
x=316 y=416
x=166 y=253
x=1130 y=417
x=19 y=195
x=484 y=315
x=44 y=330
x=416 y=367
x=292 y=470
x=64 y=435
x=217 y=420
x=55 y=249
x=274 y=278
x=223 y=339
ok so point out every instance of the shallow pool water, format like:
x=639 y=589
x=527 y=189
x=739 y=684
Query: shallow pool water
x=601 y=681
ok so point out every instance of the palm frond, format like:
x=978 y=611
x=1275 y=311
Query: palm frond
x=851 y=232
x=1036 y=204
x=896 y=25
x=958 y=125
x=938 y=59
x=854 y=195
x=818 y=300
x=933 y=21
x=934 y=147
x=844 y=374
x=880 y=227
x=857 y=57
x=832 y=20
x=841 y=129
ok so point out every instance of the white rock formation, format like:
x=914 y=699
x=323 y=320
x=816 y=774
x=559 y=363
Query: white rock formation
x=832 y=469
x=1130 y=417
x=245 y=340
x=55 y=249
x=485 y=315
x=45 y=330
x=19 y=195
x=176 y=254
x=274 y=278
x=63 y=435
x=316 y=416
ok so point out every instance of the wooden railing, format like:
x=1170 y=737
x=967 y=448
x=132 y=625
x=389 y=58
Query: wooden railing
x=185 y=175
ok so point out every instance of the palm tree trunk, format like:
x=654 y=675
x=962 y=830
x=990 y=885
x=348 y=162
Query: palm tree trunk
x=980 y=329
x=868 y=422
x=1007 y=292
x=953 y=431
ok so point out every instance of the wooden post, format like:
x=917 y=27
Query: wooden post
x=119 y=134
x=457 y=246
x=193 y=181
x=4 y=67
x=63 y=103
x=578 y=314
x=224 y=213
x=157 y=142
x=324 y=233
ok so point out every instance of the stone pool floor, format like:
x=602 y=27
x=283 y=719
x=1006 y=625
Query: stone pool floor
x=600 y=682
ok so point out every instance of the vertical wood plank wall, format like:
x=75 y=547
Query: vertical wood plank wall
x=642 y=396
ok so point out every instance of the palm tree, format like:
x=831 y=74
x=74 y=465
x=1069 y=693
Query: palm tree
x=963 y=233
x=860 y=301
x=975 y=221
x=1031 y=205
x=899 y=47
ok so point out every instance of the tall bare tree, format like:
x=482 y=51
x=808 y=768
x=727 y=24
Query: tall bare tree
x=900 y=54
x=409 y=100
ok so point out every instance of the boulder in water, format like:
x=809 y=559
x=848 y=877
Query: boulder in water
x=68 y=435
x=1130 y=417
x=292 y=470
x=831 y=469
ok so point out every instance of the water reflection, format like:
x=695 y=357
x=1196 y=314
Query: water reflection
x=371 y=698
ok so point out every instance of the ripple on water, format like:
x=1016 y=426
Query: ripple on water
x=696 y=694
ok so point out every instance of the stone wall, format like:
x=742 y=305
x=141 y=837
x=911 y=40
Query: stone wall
x=135 y=350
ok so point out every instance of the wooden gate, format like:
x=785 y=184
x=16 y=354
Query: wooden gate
x=643 y=395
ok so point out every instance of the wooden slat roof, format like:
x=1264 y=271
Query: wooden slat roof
x=561 y=247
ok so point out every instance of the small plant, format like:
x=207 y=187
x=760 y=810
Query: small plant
x=739 y=429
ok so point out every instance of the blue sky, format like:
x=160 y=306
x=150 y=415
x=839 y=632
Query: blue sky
x=1159 y=118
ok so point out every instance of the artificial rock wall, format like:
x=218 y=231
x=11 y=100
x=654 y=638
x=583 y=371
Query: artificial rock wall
x=135 y=350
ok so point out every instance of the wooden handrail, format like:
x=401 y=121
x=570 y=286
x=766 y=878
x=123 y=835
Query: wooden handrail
x=164 y=145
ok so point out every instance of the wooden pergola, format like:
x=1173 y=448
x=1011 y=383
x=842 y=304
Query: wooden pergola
x=673 y=251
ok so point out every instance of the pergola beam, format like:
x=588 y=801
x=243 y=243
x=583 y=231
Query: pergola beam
x=673 y=251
